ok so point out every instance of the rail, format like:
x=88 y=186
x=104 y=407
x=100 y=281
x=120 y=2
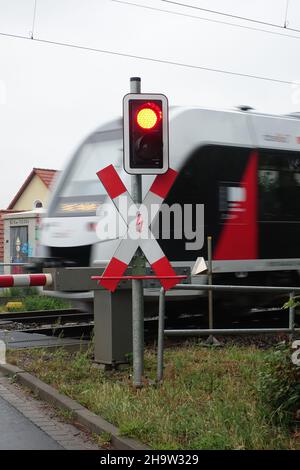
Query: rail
x=290 y=291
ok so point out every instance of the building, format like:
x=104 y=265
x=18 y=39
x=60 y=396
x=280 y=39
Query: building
x=2 y=213
x=20 y=221
x=34 y=192
x=21 y=235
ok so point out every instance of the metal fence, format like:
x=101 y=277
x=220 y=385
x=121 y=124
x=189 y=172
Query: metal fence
x=289 y=291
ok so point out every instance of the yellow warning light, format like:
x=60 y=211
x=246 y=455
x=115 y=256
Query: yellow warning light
x=147 y=118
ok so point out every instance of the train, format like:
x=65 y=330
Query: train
x=243 y=167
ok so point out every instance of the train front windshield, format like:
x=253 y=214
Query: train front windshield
x=81 y=191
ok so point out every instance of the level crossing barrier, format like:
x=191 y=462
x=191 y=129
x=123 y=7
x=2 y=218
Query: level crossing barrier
x=25 y=280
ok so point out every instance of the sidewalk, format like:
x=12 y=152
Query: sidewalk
x=28 y=424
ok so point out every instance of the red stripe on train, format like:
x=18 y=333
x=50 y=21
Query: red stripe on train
x=239 y=237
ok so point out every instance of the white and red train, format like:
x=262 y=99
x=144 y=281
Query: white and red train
x=243 y=166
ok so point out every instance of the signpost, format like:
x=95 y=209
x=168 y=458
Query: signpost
x=138 y=268
x=145 y=152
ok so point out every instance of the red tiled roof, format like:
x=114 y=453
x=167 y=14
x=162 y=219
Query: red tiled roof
x=45 y=175
x=2 y=212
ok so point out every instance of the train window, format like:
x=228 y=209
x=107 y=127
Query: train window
x=279 y=186
x=81 y=191
x=94 y=155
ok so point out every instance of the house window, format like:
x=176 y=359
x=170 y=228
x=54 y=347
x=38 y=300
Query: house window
x=37 y=204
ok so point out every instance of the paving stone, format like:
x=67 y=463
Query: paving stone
x=26 y=423
x=17 y=432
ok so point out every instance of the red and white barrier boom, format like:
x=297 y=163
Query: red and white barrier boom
x=25 y=280
x=143 y=237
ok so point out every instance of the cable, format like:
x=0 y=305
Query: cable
x=151 y=59
x=210 y=20
x=286 y=13
x=219 y=13
x=34 y=17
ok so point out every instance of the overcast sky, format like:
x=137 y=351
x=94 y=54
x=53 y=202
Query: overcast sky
x=53 y=94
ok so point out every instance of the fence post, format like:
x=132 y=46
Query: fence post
x=292 y=316
x=211 y=339
x=210 y=292
x=160 y=341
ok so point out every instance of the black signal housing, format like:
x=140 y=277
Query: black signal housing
x=145 y=134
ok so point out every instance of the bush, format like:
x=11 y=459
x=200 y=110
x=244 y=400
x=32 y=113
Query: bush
x=279 y=385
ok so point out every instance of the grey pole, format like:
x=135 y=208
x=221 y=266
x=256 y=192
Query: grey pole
x=210 y=292
x=138 y=264
x=211 y=339
x=229 y=331
x=160 y=341
x=292 y=316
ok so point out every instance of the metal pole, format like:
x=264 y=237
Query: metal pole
x=229 y=331
x=210 y=340
x=137 y=284
x=292 y=316
x=210 y=292
x=236 y=288
x=160 y=341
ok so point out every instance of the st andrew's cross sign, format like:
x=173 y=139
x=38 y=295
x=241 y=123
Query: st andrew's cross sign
x=143 y=237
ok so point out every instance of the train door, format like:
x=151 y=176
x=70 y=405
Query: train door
x=279 y=204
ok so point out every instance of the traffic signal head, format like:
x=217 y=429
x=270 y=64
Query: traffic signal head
x=145 y=134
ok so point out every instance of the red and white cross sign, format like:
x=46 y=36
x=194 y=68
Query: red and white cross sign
x=143 y=237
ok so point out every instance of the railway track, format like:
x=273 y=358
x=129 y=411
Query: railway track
x=47 y=316
x=73 y=323
x=80 y=331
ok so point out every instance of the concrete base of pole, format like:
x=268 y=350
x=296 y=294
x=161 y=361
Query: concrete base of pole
x=212 y=341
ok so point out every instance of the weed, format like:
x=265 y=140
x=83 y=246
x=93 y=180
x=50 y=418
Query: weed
x=279 y=385
x=103 y=439
x=210 y=398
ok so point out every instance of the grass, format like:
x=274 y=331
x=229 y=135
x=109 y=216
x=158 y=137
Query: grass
x=31 y=300
x=210 y=398
x=103 y=440
x=42 y=302
x=18 y=292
